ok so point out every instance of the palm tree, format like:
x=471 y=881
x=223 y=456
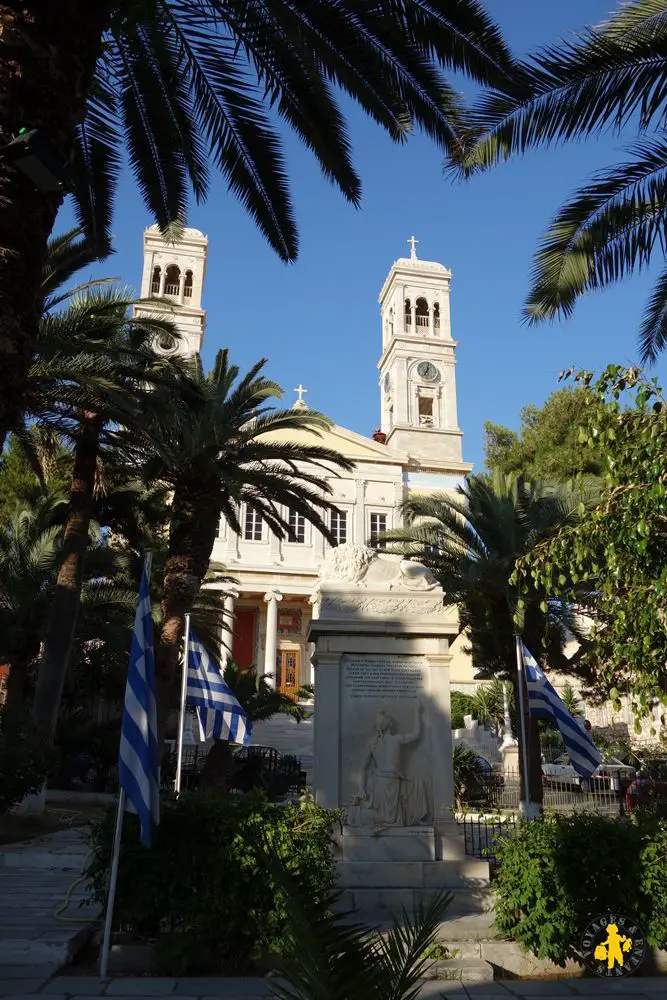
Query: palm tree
x=92 y=370
x=472 y=542
x=611 y=78
x=230 y=449
x=183 y=82
x=570 y=699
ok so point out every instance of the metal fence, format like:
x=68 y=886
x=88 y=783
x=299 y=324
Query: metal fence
x=500 y=792
x=482 y=833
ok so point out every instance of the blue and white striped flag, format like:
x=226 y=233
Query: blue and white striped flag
x=220 y=713
x=138 y=772
x=544 y=703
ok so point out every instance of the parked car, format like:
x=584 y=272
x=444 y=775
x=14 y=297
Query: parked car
x=613 y=773
x=649 y=786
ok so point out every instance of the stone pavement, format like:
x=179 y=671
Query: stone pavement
x=35 y=877
x=39 y=986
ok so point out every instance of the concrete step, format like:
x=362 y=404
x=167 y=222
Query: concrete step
x=50 y=949
x=467 y=970
x=414 y=874
x=370 y=900
x=43 y=860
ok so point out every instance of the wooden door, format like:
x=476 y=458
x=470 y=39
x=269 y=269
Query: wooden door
x=288 y=667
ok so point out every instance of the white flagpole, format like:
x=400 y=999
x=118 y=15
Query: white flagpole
x=108 y=920
x=181 y=717
x=524 y=740
x=115 y=853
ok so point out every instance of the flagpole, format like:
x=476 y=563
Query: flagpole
x=522 y=717
x=115 y=853
x=181 y=717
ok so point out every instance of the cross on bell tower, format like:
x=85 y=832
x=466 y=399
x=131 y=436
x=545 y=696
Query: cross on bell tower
x=417 y=367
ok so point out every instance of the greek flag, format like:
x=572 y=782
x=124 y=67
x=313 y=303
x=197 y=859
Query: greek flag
x=220 y=713
x=138 y=762
x=544 y=703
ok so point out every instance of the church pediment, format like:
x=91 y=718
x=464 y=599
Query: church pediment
x=355 y=446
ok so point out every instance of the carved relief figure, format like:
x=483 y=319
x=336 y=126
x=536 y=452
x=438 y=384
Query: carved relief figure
x=395 y=798
x=363 y=567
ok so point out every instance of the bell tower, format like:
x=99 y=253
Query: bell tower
x=417 y=367
x=175 y=272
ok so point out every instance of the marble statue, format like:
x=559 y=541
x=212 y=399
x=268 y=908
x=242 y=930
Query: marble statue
x=363 y=567
x=392 y=797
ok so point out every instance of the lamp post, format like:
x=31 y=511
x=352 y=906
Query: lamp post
x=34 y=155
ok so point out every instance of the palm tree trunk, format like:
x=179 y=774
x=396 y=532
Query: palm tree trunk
x=61 y=626
x=194 y=519
x=46 y=69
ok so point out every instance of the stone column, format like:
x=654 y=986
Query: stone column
x=163 y=280
x=441 y=724
x=414 y=316
x=359 y=529
x=226 y=645
x=327 y=727
x=181 y=288
x=272 y=599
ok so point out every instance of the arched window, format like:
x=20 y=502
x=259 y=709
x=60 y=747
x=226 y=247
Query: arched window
x=436 y=315
x=421 y=314
x=172 y=280
x=188 y=285
x=155 y=281
x=408 y=313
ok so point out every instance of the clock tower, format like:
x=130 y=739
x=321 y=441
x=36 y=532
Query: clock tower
x=417 y=367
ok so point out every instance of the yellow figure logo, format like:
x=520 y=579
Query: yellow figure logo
x=612 y=949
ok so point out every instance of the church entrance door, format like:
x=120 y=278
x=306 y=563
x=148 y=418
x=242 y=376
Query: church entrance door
x=289 y=662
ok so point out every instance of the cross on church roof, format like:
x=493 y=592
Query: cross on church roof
x=413 y=252
x=300 y=389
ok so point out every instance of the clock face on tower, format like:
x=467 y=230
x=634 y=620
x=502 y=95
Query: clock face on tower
x=428 y=371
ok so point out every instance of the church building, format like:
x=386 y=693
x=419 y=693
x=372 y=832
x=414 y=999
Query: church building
x=418 y=447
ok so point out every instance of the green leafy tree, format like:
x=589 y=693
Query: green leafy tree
x=230 y=447
x=20 y=483
x=547 y=447
x=571 y=699
x=471 y=543
x=94 y=369
x=175 y=85
x=610 y=78
x=617 y=553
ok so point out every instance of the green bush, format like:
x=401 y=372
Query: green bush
x=207 y=888
x=25 y=758
x=557 y=873
x=462 y=704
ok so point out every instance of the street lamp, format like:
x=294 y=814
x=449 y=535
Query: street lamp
x=34 y=155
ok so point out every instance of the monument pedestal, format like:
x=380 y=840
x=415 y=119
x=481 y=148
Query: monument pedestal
x=383 y=737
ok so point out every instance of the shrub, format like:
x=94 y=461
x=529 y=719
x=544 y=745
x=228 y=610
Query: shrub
x=462 y=704
x=25 y=759
x=557 y=873
x=207 y=888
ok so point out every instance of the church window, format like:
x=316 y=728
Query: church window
x=426 y=411
x=172 y=280
x=296 y=527
x=155 y=282
x=436 y=315
x=378 y=525
x=338 y=526
x=253 y=525
x=408 y=313
x=187 y=288
x=421 y=314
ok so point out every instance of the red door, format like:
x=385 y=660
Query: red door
x=244 y=641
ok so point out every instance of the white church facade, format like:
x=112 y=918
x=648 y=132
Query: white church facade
x=417 y=447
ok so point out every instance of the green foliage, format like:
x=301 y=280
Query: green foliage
x=608 y=78
x=259 y=699
x=462 y=705
x=547 y=446
x=571 y=699
x=613 y=563
x=559 y=872
x=25 y=760
x=489 y=705
x=207 y=887
x=336 y=960
x=19 y=482
x=468 y=773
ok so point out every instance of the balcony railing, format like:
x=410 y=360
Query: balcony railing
x=422 y=320
x=171 y=289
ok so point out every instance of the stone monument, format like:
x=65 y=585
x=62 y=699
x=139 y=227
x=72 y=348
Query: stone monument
x=383 y=738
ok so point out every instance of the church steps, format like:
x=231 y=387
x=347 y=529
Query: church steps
x=473 y=902
x=415 y=874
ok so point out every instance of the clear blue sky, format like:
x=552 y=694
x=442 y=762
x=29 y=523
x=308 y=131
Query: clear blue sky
x=317 y=321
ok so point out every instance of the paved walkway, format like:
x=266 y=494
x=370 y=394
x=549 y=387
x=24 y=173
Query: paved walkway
x=35 y=878
x=17 y=983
